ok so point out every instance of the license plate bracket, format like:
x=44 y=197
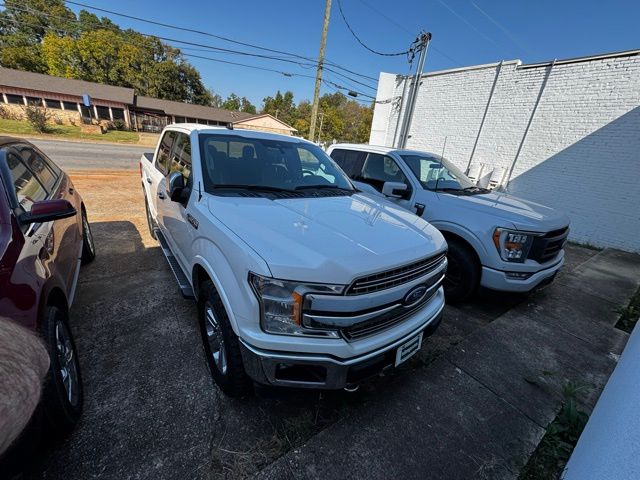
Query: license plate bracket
x=408 y=349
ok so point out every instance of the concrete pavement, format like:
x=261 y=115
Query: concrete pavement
x=481 y=409
x=473 y=402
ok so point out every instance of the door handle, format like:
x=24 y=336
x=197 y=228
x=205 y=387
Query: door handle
x=149 y=180
x=161 y=195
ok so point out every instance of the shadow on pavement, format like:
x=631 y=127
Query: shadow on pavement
x=151 y=409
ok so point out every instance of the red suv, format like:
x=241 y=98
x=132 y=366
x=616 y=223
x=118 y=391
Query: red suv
x=44 y=237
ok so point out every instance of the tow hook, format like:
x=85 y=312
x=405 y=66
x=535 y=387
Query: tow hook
x=352 y=387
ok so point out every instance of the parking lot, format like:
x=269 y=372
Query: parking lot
x=151 y=410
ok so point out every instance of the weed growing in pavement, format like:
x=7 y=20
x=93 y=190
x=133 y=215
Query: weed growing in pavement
x=629 y=314
x=553 y=452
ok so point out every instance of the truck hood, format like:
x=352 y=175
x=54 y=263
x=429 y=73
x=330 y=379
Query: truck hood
x=328 y=239
x=507 y=209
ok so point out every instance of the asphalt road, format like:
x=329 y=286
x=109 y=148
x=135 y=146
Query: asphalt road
x=92 y=156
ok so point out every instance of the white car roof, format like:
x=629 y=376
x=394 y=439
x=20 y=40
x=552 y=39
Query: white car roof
x=380 y=149
x=242 y=132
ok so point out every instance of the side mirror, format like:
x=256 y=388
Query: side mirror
x=393 y=189
x=48 y=211
x=176 y=186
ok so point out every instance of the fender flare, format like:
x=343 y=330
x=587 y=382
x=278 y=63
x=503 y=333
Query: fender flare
x=467 y=235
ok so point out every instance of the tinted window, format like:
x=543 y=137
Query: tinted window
x=51 y=103
x=39 y=166
x=181 y=157
x=28 y=188
x=350 y=161
x=70 y=106
x=379 y=169
x=35 y=101
x=162 y=161
x=103 y=113
x=15 y=99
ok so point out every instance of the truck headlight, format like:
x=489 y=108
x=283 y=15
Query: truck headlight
x=281 y=304
x=513 y=246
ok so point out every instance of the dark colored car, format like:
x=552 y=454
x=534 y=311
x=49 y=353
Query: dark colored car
x=44 y=237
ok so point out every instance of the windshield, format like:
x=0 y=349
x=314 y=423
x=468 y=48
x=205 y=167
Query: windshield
x=236 y=162
x=437 y=173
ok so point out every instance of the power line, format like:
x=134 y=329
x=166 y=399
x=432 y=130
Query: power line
x=255 y=67
x=384 y=54
x=220 y=37
x=210 y=48
x=403 y=28
x=501 y=27
x=469 y=24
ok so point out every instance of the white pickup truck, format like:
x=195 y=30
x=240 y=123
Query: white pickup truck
x=495 y=240
x=300 y=279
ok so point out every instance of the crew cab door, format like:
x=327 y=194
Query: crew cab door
x=180 y=225
x=53 y=245
x=156 y=179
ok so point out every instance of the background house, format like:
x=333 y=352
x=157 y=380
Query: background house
x=63 y=98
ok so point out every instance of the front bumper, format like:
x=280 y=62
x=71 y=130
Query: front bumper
x=498 y=280
x=323 y=371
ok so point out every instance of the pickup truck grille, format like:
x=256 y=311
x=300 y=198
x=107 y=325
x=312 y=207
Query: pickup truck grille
x=548 y=246
x=388 y=319
x=396 y=276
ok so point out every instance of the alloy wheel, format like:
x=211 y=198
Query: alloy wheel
x=215 y=339
x=67 y=363
x=86 y=231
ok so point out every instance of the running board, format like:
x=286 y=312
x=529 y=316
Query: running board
x=183 y=281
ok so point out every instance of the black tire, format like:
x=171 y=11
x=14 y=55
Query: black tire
x=463 y=273
x=62 y=406
x=88 y=246
x=150 y=222
x=229 y=374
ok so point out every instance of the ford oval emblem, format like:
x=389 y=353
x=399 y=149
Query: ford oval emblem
x=415 y=295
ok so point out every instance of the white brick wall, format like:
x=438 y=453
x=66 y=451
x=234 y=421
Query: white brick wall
x=581 y=154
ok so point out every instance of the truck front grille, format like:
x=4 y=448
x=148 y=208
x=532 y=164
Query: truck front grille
x=396 y=276
x=389 y=319
x=548 y=246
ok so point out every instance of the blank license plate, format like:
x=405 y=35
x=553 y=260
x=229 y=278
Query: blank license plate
x=407 y=350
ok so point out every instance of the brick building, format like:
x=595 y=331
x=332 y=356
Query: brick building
x=568 y=131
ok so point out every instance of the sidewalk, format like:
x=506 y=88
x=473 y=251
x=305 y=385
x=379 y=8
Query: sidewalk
x=480 y=411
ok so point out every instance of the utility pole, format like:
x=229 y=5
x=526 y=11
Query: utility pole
x=321 y=114
x=424 y=39
x=316 y=91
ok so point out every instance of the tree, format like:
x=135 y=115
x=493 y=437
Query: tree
x=238 y=104
x=281 y=106
x=45 y=36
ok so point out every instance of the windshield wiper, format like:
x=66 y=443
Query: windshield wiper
x=448 y=189
x=476 y=189
x=308 y=187
x=264 y=188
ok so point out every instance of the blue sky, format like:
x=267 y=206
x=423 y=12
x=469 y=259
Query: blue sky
x=465 y=32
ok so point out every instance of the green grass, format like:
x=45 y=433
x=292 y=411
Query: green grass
x=555 y=448
x=69 y=132
x=629 y=314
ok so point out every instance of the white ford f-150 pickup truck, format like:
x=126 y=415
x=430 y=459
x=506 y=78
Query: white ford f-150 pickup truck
x=495 y=239
x=300 y=279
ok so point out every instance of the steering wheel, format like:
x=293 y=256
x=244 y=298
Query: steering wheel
x=306 y=173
